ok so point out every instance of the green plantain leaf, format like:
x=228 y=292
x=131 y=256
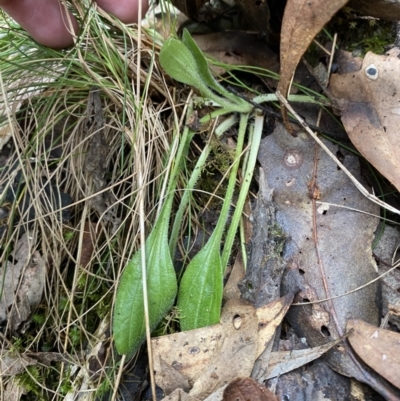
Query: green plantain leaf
x=201 y=62
x=185 y=62
x=179 y=63
x=200 y=290
x=205 y=73
x=128 y=322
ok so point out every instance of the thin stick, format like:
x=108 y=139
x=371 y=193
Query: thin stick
x=371 y=197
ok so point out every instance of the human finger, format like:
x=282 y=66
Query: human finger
x=47 y=21
x=126 y=11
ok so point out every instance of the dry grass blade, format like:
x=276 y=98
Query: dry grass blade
x=85 y=247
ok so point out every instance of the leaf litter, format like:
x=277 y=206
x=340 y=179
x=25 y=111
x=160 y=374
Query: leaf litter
x=300 y=177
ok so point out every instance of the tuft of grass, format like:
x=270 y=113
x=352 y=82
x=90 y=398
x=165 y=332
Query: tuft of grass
x=43 y=105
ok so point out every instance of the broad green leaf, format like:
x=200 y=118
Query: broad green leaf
x=200 y=290
x=205 y=73
x=201 y=62
x=128 y=323
x=179 y=63
x=185 y=62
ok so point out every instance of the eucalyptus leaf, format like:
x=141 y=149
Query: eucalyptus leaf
x=129 y=323
x=200 y=290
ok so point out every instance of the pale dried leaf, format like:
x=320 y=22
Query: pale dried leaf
x=370 y=104
x=13 y=391
x=179 y=395
x=29 y=292
x=205 y=355
x=378 y=348
x=231 y=289
x=284 y=361
x=269 y=318
x=11 y=364
x=23 y=282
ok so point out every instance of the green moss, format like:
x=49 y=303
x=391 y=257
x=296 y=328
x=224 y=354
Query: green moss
x=362 y=35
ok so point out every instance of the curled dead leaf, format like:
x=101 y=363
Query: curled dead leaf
x=243 y=389
x=369 y=99
x=302 y=21
x=378 y=348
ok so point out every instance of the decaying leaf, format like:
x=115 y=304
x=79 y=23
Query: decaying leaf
x=384 y=9
x=23 y=283
x=205 y=355
x=13 y=391
x=13 y=364
x=212 y=356
x=328 y=251
x=378 y=348
x=245 y=388
x=302 y=21
x=370 y=104
x=262 y=283
x=231 y=289
x=237 y=48
x=385 y=252
x=269 y=318
x=285 y=361
x=90 y=233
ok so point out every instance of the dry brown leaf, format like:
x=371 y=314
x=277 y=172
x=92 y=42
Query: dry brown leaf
x=212 y=356
x=302 y=21
x=231 y=289
x=269 y=318
x=341 y=238
x=370 y=103
x=23 y=282
x=12 y=364
x=90 y=234
x=237 y=48
x=245 y=388
x=385 y=9
x=378 y=348
x=285 y=361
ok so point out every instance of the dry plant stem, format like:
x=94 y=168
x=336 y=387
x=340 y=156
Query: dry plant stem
x=332 y=53
x=118 y=379
x=142 y=217
x=352 y=291
x=358 y=211
x=371 y=197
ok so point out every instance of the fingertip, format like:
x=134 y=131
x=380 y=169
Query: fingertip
x=127 y=11
x=47 y=21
